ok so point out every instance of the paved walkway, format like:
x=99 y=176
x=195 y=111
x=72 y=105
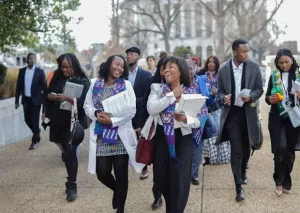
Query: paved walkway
x=33 y=181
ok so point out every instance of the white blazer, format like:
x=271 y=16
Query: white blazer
x=156 y=104
x=125 y=130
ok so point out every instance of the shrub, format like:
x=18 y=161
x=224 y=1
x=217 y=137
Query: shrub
x=8 y=89
x=182 y=51
x=3 y=71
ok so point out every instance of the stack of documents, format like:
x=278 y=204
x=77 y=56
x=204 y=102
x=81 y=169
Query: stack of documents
x=117 y=105
x=191 y=104
x=73 y=90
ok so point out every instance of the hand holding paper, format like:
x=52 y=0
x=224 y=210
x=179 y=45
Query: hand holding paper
x=244 y=95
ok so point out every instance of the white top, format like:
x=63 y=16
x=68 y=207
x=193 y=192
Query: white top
x=285 y=83
x=28 y=80
x=237 y=72
x=156 y=104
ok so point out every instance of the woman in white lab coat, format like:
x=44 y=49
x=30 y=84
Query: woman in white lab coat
x=112 y=138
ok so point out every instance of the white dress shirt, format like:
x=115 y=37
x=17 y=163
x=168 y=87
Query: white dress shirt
x=237 y=72
x=285 y=83
x=28 y=80
x=132 y=76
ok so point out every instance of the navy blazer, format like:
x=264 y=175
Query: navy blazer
x=38 y=86
x=140 y=85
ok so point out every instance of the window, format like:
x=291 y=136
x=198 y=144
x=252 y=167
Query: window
x=209 y=20
x=177 y=27
x=155 y=46
x=199 y=51
x=188 y=21
x=198 y=20
x=209 y=51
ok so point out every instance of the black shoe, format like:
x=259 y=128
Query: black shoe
x=114 y=201
x=157 y=203
x=33 y=146
x=71 y=191
x=239 y=194
x=206 y=162
x=244 y=180
x=195 y=181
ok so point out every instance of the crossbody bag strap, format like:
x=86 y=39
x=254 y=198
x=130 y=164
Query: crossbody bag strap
x=74 y=113
x=151 y=131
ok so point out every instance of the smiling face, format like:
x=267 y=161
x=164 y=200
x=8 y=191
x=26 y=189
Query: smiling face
x=116 y=68
x=172 y=73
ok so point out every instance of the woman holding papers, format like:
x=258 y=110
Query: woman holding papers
x=112 y=138
x=69 y=70
x=173 y=140
x=284 y=136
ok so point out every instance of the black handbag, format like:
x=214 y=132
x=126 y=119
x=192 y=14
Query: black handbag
x=258 y=146
x=77 y=131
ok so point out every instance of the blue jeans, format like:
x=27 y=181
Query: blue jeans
x=197 y=159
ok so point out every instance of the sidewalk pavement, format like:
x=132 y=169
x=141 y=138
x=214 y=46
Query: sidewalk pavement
x=33 y=181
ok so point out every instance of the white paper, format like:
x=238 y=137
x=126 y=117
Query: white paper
x=295 y=87
x=191 y=104
x=118 y=104
x=71 y=89
x=244 y=93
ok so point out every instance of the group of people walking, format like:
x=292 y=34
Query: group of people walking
x=152 y=99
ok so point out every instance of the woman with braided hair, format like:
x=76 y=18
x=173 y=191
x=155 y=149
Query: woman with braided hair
x=284 y=136
x=69 y=69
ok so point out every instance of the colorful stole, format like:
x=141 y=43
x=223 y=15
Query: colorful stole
x=167 y=118
x=202 y=115
x=278 y=88
x=109 y=134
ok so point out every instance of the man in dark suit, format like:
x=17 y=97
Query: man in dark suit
x=239 y=124
x=31 y=84
x=138 y=79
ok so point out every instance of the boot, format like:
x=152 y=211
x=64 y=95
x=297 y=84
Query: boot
x=71 y=191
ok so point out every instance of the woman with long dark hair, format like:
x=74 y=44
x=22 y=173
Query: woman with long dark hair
x=173 y=149
x=213 y=103
x=112 y=138
x=69 y=70
x=284 y=136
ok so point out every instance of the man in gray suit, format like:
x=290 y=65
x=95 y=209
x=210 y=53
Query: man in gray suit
x=239 y=125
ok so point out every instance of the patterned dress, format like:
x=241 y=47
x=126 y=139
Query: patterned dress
x=105 y=149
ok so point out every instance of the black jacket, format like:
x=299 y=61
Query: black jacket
x=38 y=86
x=139 y=88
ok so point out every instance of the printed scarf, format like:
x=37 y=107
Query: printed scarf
x=278 y=89
x=167 y=118
x=109 y=134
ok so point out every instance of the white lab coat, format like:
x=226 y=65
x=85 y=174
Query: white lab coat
x=125 y=130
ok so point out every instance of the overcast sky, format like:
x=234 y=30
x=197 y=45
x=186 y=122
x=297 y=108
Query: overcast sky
x=95 y=25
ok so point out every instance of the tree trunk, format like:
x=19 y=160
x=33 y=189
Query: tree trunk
x=220 y=32
x=167 y=41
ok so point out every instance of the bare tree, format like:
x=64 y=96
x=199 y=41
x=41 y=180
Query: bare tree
x=160 y=16
x=115 y=22
x=220 y=11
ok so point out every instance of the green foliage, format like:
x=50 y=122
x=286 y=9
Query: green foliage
x=21 y=21
x=8 y=89
x=182 y=51
x=3 y=71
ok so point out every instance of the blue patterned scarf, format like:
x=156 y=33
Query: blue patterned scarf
x=108 y=133
x=167 y=119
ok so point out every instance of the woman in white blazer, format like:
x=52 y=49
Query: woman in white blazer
x=112 y=138
x=173 y=140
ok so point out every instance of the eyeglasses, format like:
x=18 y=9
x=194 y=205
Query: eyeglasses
x=131 y=54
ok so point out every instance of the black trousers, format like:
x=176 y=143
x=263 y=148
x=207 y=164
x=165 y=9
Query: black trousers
x=236 y=127
x=284 y=160
x=173 y=178
x=32 y=118
x=71 y=161
x=119 y=183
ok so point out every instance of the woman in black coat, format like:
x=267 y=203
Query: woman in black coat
x=284 y=136
x=69 y=69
